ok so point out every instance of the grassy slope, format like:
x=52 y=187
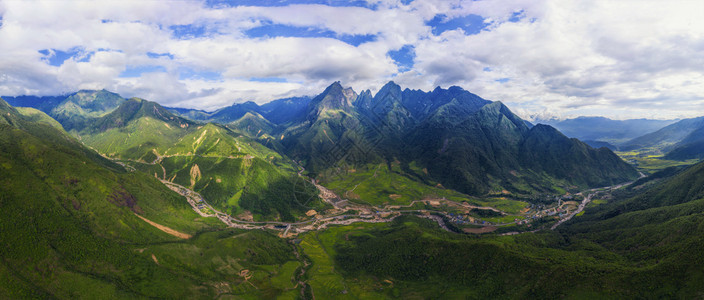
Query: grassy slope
x=232 y=171
x=645 y=161
x=411 y=258
x=37 y=116
x=64 y=236
x=68 y=215
x=644 y=244
x=134 y=141
x=378 y=185
x=217 y=258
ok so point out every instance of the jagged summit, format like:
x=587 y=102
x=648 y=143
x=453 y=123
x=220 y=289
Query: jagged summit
x=335 y=97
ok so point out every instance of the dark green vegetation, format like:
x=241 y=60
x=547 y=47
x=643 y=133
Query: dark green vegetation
x=460 y=140
x=69 y=230
x=544 y=149
x=67 y=215
x=644 y=243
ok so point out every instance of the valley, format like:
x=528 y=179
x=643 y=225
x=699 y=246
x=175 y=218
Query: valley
x=338 y=201
x=440 y=210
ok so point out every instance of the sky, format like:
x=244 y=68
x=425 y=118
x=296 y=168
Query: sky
x=619 y=59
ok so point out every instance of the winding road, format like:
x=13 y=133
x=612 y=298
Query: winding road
x=367 y=213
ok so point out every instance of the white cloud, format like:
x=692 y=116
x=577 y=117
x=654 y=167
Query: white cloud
x=614 y=58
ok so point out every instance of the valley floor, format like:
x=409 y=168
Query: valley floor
x=447 y=213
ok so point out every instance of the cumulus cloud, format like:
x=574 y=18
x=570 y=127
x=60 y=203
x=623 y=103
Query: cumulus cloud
x=615 y=58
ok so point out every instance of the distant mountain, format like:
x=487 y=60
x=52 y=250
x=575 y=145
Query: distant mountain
x=606 y=130
x=254 y=125
x=233 y=112
x=83 y=105
x=691 y=147
x=545 y=116
x=74 y=109
x=278 y=112
x=283 y=111
x=45 y=103
x=599 y=144
x=665 y=139
x=190 y=113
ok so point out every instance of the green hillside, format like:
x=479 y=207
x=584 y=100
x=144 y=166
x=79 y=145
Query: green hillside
x=641 y=244
x=68 y=215
x=691 y=147
x=232 y=171
x=69 y=229
x=37 y=116
x=544 y=149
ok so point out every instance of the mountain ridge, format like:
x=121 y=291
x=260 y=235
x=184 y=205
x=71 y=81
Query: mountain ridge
x=440 y=129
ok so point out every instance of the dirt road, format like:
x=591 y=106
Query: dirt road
x=166 y=229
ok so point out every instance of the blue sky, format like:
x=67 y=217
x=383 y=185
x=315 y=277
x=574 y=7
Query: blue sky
x=568 y=58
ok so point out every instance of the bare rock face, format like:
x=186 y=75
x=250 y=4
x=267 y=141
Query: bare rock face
x=195 y=175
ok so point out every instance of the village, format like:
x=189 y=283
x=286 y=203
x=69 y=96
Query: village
x=450 y=215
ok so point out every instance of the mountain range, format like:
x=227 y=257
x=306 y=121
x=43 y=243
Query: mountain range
x=77 y=223
x=458 y=140
x=601 y=129
x=680 y=141
x=677 y=140
x=463 y=141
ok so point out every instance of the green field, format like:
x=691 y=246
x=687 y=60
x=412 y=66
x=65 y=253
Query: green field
x=378 y=185
x=323 y=277
x=649 y=163
x=218 y=258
